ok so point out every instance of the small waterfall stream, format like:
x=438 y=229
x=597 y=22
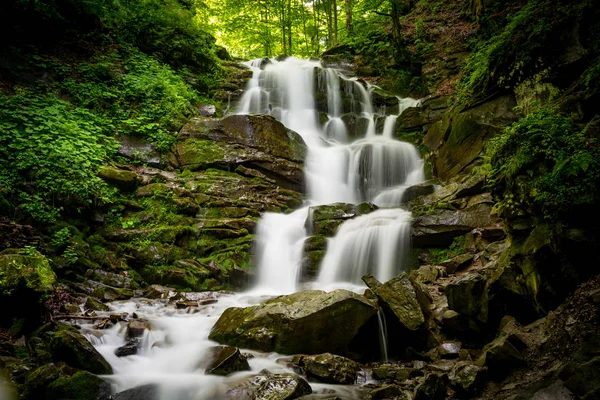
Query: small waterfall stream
x=341 y=166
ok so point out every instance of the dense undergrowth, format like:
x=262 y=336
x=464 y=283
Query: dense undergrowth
x=514 y=47
x=101 y=70
x=547 y=166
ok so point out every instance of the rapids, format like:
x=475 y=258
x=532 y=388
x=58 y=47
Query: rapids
x=341 y=166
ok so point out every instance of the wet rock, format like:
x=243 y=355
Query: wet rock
x=425 y=274
x=439 y=227
x=68 y=345
x=109 y=278
x=145 y=392
x=313 y=253
x=107 y=293
x=136 y=328
x=449 y=349
x=137 y=149
x=504 y=352
x=434 y=387
x=325 y=219
x=412 y=192
x=256 y=141
x=129 y=349
x=386 y=392
x=467 y=378
x=405 y=299
x=309 y=322
x=158 y=292
x=371 y=281
x=328 y=368
x=455 y=263
x=124 y=180
x=223 y=360
x=463 y=134
x=468 y=296
x=556 y=391
x=93 y=304
x=267 y=386
x=459 y=324
x=582 y=374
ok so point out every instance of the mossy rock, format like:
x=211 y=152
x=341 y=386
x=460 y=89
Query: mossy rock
x=181 y=278
x=80 y=386
x=122 y=179
x=325 y=219
x=468 y=295
x=28 y=278
x=269 y=386
x=20 y=269
x=260 y=132
x=329 y=368
x=309 y=322
x=68 y=345
x=405 y=299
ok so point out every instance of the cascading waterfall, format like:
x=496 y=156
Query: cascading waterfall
x=374 y=168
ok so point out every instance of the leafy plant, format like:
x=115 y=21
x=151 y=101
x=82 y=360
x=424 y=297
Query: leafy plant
x=50 y=153
x=546 y=165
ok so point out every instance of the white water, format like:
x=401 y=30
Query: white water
x=375 y=168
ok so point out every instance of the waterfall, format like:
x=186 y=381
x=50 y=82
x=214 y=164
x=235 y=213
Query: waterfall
x=373 y=167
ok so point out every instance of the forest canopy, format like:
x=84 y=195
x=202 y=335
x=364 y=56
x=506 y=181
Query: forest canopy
x=257 y=28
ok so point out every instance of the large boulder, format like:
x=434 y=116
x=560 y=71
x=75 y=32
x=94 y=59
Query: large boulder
x=440 y=226
x=68 y=345
x=309 y=322
x=256 y=141
x=459 y=138
x=468 y=295
x=405 y=299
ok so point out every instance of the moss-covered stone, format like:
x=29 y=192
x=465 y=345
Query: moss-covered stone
x=123 y=179
x=24 y=268
x=329 y=368
x=68 y=345
x=469 y=296
x=80 y=386
x=271 y=387
x=403 y=297
x=325 y=219
x=309 y=322
x=224 y=360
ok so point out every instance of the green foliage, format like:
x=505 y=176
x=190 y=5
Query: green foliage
x=50 y=152
x=61 y=239
x=25 y=269
x=137 y=94
x=457 y=247
x=544 y=164
x=520 y=48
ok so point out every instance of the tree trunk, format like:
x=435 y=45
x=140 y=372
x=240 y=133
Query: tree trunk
x=348 y=9
x=335 y=21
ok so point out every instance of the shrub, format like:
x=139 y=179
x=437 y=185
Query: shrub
x=50 y=153
x=546 y=165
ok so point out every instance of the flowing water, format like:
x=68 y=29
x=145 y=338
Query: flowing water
x=342 y=165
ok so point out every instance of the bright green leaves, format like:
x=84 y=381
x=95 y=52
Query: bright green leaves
x=545 y=164
x=50 y=153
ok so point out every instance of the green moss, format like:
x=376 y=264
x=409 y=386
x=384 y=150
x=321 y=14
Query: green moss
x=25 y=268
x=197 y=153
x=545 y=165
x=80 y=386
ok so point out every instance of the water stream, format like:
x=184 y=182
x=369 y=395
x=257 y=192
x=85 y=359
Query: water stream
x=341 y=166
